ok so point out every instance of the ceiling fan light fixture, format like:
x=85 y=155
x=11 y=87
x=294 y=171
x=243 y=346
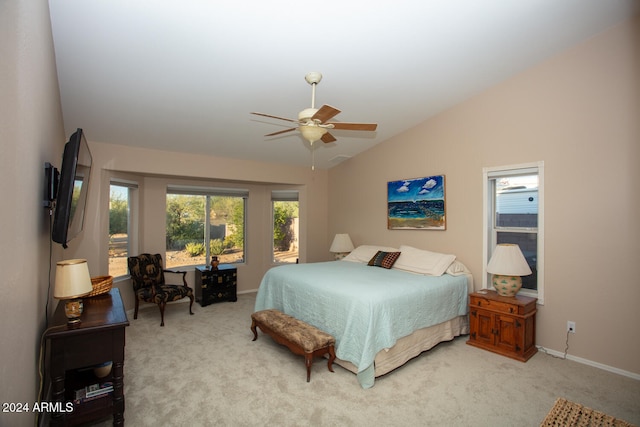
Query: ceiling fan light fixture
x=312 y=133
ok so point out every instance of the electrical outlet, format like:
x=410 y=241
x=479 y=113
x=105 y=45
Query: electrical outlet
x=571 y=326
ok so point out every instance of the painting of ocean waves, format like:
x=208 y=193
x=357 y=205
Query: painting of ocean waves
x=416 y=203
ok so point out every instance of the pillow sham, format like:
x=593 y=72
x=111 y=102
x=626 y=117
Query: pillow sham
x=364 y=253
x=423 y=262
x=384 y=259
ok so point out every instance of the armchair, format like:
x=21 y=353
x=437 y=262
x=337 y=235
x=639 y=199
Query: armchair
x=147 y=276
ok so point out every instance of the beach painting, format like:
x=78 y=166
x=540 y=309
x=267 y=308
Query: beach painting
x=416 y=204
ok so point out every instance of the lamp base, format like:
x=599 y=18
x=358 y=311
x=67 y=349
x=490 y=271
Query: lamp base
x=73 y=309
x=507 y=286
x=73 y=321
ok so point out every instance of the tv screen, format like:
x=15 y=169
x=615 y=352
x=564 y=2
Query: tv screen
x=71 y=200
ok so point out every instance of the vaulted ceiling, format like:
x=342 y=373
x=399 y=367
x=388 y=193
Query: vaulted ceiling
x=184 y=75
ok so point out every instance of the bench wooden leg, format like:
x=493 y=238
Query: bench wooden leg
x=308 y=361
x=332 y=357
x=253 y=329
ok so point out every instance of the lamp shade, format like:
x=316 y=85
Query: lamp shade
x=341 y=243
x=312 y=133
x=507 y=260
x=72 y=279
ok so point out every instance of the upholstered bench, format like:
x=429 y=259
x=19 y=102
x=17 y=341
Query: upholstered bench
x=300 y=337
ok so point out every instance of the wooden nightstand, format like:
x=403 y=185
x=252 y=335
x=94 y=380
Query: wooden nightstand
x=503 y=325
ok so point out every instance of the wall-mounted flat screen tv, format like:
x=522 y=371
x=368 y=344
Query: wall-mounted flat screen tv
x=71 y=200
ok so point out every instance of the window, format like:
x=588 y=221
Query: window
x=122 y=224
x=203 y=222
x=284 y=208
x=514 y=214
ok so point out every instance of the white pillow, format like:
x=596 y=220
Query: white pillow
x=423 y=262
x=364 y=253
x=457 y=268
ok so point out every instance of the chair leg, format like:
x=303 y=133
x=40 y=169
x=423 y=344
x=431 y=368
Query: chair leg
x=191 y=305
x=161 y=305
x=135 y=313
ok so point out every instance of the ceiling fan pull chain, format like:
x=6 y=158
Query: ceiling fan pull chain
x=313 y=158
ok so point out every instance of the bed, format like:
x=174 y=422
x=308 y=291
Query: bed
x=380 y=317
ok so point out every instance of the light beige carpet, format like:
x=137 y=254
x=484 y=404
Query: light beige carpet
x=204 y=370
x=569 y=414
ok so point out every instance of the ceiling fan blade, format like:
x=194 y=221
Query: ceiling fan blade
x=354 y=126
x=275 y=117
x=325 y=113
x=327 y=138
x=281 y=131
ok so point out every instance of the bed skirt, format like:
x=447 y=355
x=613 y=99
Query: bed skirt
x=408 y=347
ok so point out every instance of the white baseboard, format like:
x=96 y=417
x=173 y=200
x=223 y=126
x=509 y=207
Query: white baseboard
x=591 y=363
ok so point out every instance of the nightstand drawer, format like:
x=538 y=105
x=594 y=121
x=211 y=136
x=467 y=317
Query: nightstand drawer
x=494 y=305
x=508 y=305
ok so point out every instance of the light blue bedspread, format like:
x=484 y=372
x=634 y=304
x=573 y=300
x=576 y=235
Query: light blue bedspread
x=367 y=309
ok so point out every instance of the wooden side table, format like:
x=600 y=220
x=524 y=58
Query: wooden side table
x=99 y=338
x=503 y=325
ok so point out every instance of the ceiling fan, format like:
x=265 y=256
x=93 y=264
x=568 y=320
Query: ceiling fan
x=314 y=123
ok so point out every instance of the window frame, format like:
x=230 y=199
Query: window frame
x=209 y=192
x=283 y=196
x=489 y=237
x=132 y=217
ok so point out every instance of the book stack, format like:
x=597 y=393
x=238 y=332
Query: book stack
x=93 y=391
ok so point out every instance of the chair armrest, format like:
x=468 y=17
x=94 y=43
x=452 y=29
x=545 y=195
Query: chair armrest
x=184 y=275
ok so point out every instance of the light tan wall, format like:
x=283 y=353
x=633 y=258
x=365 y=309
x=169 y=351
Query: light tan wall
x=31 y=134
x=160 y=168
x=579 y=113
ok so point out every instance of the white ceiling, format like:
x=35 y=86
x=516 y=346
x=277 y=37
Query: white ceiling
x=184 y=75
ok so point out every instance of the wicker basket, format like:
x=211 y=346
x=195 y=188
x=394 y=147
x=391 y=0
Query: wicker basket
x=101 y=285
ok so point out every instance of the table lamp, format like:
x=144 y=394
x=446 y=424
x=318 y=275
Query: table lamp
x=341 y=246
x=507 y=265
x=72 y=283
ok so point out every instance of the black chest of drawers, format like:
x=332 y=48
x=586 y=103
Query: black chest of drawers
x=216 y=285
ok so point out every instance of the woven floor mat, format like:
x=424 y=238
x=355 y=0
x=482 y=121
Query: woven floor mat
x=568 y=414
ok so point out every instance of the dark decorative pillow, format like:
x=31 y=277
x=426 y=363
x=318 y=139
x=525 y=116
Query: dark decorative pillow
x=384 y=259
